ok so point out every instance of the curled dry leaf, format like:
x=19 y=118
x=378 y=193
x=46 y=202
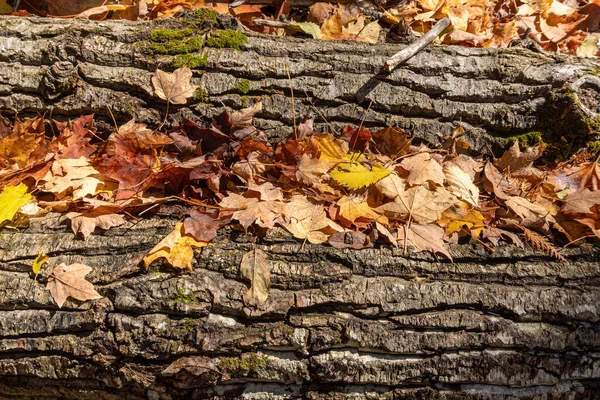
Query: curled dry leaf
x=174 y=87
x=69 y=281
x=255 y=268
x=461 y=185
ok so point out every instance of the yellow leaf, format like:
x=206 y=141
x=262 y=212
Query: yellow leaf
x=11 y=199
x=355 y=176
x=354 y=208
x=462 y=215
x=5 y=8
x=332 y=149
x=40 y=260
x=176 y=249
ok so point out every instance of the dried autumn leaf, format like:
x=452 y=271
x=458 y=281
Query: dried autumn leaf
x=11 y=199
x=315 y=228
x=349 y=240
x=87 y=221
x=36 y=266
x=460 y=216
x=581 y=201
x=174 y=87
x=176 y=249
x=203 y=227
x=419 y=203
x=461 y=184
x=353 y=209
x=423 y=238
x=519 y=162
x=72 y=175
x=422 y=168
x=255 y=268
x=69 y=281
x=354 y=175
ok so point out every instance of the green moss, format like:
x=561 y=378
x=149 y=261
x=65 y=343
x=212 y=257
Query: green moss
x=244 y=365
x=593 y=146
x=227 y=39
x=167 y=35
x=201 y=96
x=183 y=297
x=529 y=139
x=205 y=15
x=242 y=86
x=191 y=60
x=183 y=46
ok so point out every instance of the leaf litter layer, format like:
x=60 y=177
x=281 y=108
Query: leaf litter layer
x=351 y=189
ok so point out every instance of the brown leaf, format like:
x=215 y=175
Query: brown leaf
x=519 y=162
x=69 y=281
x=581 y=202
x=422 y=168
x=425 y=206
x=423 y=238
x=203 y=227
x=255 y=268
x=349 y=240
x=174 y=87
x=461 y=184
x=392 y=142
x=87 y=221
x=203 y=369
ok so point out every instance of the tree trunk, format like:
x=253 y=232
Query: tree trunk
x=73 y=67
x=338 y=324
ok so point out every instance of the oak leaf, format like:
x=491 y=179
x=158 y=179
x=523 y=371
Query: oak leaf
x=255 y=268
x=69 y=281
x=174 y=87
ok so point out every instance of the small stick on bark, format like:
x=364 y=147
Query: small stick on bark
x=418 y=45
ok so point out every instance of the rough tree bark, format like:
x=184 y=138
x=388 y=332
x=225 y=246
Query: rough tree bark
x=338 y=323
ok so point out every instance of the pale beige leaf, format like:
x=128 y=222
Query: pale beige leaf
x=174 y=87
x=87 y=221
x=255 y=268
x=69 y=281
x=461 y=185
x=425 y=206
x=423 y=238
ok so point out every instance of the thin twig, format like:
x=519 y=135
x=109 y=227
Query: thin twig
x=418 y=45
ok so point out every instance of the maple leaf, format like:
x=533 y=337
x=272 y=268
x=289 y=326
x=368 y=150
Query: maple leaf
x=74 y=175
x=460 y=216
x=101 y=217
x=267 y=191
x=11 y=199
x=174 y=87
x=69 y=281
x=176 y=248
x=354 y=175
x=203 y=227
x=581 y=202
x=353 y=209
x=255 y=268
x=250 y=168
x=422 y=168
x=138 y=137
x=392 y=142
x=423 y=238
x=520 y=162
x=74 y=138
x=585 y=175
x=423 y=205
x=251 y=210
x=461 y=185
x=309 y=221
x=532 y=215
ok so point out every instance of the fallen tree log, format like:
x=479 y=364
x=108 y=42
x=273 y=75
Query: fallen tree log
x=338 y=324
x=73 y=67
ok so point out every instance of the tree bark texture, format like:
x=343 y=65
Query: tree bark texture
x=73 y=67
x=338 y=324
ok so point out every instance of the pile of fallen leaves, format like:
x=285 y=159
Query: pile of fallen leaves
x=351 y=189
x=568 y=26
